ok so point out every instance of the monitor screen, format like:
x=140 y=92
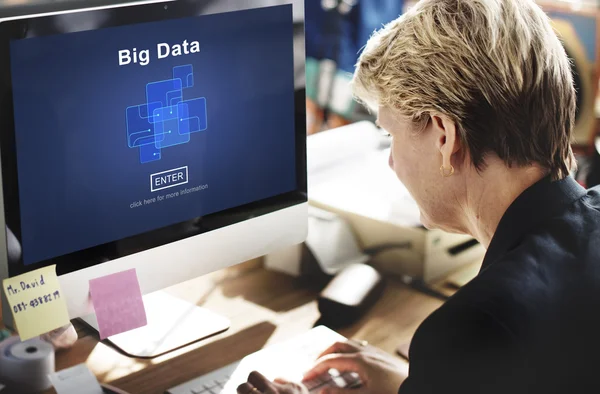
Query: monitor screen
x=146 y=130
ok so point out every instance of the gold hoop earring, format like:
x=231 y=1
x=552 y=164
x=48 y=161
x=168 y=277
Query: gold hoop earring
x=446 y=174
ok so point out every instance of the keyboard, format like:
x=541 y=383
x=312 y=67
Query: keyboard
x=288 y=360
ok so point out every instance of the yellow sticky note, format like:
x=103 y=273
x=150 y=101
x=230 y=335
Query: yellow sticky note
x=37 y=302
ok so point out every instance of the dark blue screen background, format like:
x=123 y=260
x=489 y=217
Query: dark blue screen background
x=77 y=175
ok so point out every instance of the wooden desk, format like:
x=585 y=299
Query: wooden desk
x=264 y=308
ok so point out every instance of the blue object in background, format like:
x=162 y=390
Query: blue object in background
x=5 y=334
x=338 y=35
x=585 y=28
x=356 y=28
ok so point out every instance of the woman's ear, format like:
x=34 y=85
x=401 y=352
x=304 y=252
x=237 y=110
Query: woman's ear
x=447 y=140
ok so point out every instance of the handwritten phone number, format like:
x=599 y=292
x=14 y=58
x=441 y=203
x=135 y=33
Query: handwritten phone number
x=34 y=303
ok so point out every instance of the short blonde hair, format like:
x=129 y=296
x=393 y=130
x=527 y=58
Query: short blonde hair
x=495 y=67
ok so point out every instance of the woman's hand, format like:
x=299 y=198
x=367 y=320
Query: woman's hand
x=258 y=384
x=380 y=372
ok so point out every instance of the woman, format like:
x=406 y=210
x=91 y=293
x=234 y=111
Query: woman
x=478 y=98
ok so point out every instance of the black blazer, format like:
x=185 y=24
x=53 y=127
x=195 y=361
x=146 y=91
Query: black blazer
x=530 y=321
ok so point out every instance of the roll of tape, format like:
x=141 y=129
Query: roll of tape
x=26 y=365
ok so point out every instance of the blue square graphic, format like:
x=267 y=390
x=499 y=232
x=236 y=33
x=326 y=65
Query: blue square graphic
x=194 y=112
x=166 y=119
x=184 y=118
x=159 y=94
x=165 y=113
x=185 y=74
x=139 y=130
x=174 y=97
x=170 y=130
x=149 y=153
x=143 y=109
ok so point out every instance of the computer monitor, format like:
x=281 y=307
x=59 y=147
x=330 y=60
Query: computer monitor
x=165 y=136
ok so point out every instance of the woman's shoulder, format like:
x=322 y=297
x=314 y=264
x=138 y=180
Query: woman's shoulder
x=592 y=199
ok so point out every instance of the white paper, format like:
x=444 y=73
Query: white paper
x=332 y=242
x=348 y=170
x=330 y=148
x=287 y=360
x=75 y=380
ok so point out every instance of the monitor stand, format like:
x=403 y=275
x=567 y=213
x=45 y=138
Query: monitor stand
x=172 y=324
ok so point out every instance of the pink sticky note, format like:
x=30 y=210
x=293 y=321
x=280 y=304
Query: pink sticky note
x=118 y=303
